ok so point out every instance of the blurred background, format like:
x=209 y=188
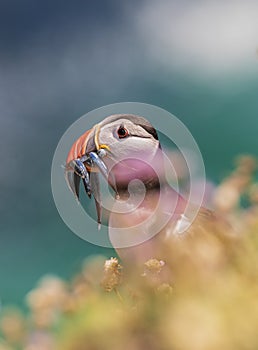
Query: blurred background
x=61 y=59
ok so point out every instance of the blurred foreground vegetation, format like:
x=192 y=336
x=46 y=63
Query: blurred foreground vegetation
x=202 y=296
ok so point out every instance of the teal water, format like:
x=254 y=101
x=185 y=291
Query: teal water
x=35 y=241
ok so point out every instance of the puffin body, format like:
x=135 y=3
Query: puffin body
x=147 y=211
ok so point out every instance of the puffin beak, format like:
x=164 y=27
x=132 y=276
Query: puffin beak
x=75 y=169
x=96 y=165
x=85 y=162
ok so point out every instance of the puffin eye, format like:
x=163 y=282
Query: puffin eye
x=122 y=132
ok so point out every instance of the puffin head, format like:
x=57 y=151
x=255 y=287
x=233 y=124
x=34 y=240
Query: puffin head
x=132 y=145
x=122 y=147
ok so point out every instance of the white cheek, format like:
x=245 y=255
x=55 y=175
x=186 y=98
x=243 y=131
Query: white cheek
x=134 y=147
x=139 y=146
x=128 y=147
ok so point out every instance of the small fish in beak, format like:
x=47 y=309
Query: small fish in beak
x=84 y=162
